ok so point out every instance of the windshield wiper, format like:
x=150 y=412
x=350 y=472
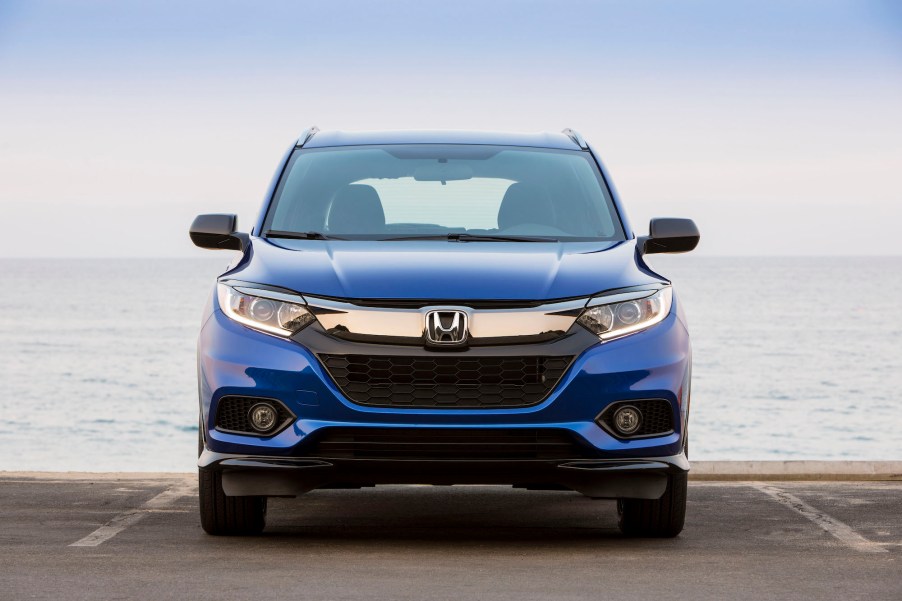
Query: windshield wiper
x=298 y=235
x=498 y=238
x=464 y=237
x=452 y=237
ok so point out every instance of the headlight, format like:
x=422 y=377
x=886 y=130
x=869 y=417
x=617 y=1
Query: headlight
x=266 y=310
x=630 y=313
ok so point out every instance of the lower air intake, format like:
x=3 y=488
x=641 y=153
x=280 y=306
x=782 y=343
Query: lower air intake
x=438 y=443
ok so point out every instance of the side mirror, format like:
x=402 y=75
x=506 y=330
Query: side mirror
x=217 y=232
x=669 y=235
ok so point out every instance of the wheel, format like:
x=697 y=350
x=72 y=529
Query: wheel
x=656 y=518
x=224 y=515
x=220 y=514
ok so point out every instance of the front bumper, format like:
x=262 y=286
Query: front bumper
x=653 y=364
x=291 y=476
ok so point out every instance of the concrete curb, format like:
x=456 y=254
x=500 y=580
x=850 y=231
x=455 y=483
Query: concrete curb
x=796 y=470
x=99 y=476
x=701 y=470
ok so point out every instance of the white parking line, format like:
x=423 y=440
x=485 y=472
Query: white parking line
x=132 y=517
x=837 y=529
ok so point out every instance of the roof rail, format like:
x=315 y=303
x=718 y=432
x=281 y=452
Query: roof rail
x=306 y=135
x=578 y=139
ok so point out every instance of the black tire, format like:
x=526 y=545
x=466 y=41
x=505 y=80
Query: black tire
x=224 y=515
x=656 y=518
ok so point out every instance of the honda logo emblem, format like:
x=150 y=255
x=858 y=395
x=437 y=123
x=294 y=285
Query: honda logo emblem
x=446 y=327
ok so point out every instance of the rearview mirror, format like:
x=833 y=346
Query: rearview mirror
x=217 y=232
x=443 y=172
x=669 y=235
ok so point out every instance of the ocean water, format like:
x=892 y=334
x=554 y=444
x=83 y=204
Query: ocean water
x=794 y=358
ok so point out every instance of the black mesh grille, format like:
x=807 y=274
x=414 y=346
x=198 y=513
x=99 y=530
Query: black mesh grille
x=438 y=443
x=446 y=381
x=657 y=417
x=231 y=414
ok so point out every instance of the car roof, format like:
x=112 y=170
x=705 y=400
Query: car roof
x=324 y=139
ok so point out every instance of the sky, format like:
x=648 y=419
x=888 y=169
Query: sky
x=777 y=126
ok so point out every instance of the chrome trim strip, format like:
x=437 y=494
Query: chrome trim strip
x=411 y=323
x=623 y=297
x=271 y=294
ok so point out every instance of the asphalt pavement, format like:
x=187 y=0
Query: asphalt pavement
x=138 y=537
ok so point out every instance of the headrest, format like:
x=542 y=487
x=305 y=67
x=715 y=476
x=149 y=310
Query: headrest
x=523 y=203
x=356 y=209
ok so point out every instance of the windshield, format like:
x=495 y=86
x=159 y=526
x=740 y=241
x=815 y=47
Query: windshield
x=460 y=192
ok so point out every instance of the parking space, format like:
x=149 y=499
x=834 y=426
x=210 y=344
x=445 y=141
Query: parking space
x=743 y=540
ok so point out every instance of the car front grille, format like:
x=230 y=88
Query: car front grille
x=445 y=381
x=445 y=443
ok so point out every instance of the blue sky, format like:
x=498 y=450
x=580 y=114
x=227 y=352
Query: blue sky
x=776 y=125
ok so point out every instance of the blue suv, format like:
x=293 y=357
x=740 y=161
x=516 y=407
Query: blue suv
x=443 y=308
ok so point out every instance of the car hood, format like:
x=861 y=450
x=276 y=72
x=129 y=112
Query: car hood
x=442 y=270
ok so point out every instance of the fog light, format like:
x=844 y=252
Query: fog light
x=262 y=417
x=627 y=420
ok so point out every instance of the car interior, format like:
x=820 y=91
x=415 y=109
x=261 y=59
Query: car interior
x=542 y=198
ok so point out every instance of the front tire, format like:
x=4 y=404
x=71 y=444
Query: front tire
x=656 y=518
x=228 y=516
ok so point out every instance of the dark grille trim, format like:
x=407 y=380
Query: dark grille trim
x=452 y=381
x=446 y=444
x=231 y=415
x=657 y=418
